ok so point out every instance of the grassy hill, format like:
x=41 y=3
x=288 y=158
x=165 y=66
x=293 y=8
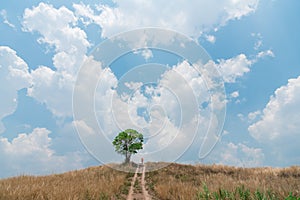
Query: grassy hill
x=223 y=182
x=176 y=181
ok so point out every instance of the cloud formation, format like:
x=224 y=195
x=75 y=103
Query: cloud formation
x=148 y=108
x=28 y=153
x=166 y=110
x=14 y=75
x=3 y=14
x=239 y=155
x=58 y=29
x=278 y=126
x=192 y=18
x=235 y=67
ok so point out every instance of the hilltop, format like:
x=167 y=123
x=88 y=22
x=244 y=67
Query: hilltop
x=176 y=181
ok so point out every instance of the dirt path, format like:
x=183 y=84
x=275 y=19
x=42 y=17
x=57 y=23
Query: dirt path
x=137 y=189
x=143 y=183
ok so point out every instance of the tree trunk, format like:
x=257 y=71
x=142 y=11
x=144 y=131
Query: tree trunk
x=127 y=158
x=127 y=154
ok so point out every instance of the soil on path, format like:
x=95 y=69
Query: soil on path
x=138 y=189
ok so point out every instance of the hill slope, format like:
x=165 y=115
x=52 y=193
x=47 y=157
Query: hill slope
x=223 y=182
x=176 y=181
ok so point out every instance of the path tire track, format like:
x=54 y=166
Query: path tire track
x=143 y=194
x=130 y=193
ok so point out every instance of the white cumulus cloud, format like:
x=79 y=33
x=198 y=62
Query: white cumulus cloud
x=31 y=153
x=253 y=115
x=237 y=155
x=3 y=14
x=167 y=113
x=235 y=94
x=57 y=27
x=14 y=75
x=267 y=53
x=192 y=18
x=235 y=67
x=210 y=38
x=278 y=126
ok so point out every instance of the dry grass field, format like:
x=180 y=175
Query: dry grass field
x=91 y=183
x=222 y=182
x=176 y=181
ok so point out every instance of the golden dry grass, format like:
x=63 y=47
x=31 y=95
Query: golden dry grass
x=91 y=183
x=175 y=181
x=186 y=182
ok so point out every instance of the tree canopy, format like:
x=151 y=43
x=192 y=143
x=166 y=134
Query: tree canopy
x=128 y=142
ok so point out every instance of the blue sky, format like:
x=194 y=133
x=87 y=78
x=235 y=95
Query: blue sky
x=254 y=44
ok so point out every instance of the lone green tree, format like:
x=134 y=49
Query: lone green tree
x=128 y=142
